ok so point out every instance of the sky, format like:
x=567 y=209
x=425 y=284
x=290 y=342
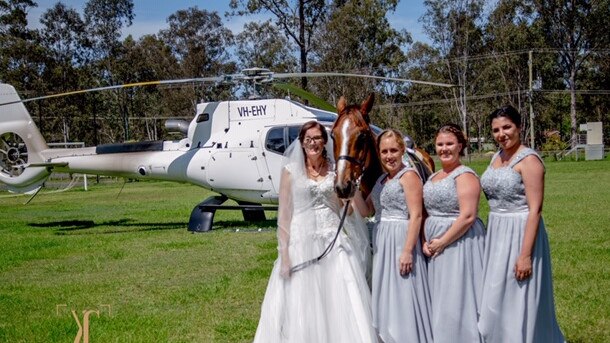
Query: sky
x=151 y=15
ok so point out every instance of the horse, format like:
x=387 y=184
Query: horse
x=357 y=160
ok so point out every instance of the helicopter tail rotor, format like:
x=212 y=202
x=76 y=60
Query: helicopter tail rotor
x=20 y=145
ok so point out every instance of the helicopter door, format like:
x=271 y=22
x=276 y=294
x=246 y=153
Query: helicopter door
x=234 y=170
x=238 y=165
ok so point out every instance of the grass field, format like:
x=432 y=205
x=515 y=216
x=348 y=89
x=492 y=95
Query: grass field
x=132 y=259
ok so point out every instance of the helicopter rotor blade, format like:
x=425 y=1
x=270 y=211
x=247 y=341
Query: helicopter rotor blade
x=253 y=75
x=215 y=79
x=313 y=74
x=313 y=100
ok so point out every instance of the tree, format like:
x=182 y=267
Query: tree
x=507 y=36
x=199 y=40
x=424 y=108
x=262 y=45
x=453 y=28
x=150 y=59
x=297 y=18
x=358 y=39
x=64 y=38
x=575 y=28
x=105 y=20
x=20 y=53
x=200 y=43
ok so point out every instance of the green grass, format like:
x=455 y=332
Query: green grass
x=132 y=258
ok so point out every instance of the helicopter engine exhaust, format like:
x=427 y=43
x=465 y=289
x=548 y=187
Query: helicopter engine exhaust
x=177 y=125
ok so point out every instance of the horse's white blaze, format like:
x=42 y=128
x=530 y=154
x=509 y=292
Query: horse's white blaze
x=342 y=164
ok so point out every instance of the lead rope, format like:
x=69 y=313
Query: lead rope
x=326 y=251
x=330 y=246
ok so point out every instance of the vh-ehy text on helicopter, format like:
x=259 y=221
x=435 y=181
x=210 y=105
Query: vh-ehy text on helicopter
x=233 y=148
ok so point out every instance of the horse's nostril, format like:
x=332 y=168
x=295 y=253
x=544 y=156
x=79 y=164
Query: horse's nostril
x=348 y=189
x=338 y=190
x=344 y=191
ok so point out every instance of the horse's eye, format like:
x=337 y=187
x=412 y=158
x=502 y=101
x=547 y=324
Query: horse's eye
x=360 y=140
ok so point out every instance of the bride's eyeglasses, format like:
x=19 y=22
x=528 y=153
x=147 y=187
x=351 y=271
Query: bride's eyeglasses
x=315 y=139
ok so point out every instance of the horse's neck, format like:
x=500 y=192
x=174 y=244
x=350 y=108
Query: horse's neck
x=371 y=173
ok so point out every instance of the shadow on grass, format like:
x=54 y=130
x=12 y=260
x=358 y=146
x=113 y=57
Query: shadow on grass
x=66 y=227
x=71 y=227
x=228 y=224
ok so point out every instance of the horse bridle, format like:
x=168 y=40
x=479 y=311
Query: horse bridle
x=354 y=160
x=358 y=162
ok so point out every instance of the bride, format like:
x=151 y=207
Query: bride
x=327 y=301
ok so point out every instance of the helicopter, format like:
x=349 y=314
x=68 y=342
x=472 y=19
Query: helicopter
x=234 y=148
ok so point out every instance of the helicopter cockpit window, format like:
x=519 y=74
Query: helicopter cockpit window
x=275 y=140
x=293 y=133
x=279 y=138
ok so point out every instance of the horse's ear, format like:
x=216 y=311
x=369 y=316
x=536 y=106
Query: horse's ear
x=341 y=105
x=366 y=106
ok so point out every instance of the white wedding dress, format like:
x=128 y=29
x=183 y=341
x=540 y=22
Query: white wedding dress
x=328 y=301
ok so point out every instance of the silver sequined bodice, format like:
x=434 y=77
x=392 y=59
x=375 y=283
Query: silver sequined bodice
x=504 y=187
x=389 y=198
x=316 y=207
x=440 y=197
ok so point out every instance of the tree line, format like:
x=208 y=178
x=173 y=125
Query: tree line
x=550 y=59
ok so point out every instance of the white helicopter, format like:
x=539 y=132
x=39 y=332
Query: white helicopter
x=233 y=148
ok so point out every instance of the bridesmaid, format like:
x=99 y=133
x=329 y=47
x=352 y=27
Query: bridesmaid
x=455 y=239
x=517 y=303
x=401 y=299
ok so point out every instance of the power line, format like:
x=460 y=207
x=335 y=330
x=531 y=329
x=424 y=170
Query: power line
x=512 y=53
x=584 y=91
x=495 y=95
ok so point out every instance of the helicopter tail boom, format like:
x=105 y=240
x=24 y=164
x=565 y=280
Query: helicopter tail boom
x=20 y=145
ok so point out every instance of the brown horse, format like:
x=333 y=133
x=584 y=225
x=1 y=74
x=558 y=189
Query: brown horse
x=355 y=150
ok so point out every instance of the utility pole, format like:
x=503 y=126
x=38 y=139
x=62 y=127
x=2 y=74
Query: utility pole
x=530 y=96
x=464 y=119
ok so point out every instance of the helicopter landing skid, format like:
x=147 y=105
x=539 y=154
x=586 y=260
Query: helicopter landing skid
x=202 y=215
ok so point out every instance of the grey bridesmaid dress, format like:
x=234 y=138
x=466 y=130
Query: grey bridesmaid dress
x=401 y=304
x=511 y=310
x=455 y=276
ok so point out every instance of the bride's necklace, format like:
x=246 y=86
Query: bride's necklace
x=312 y=170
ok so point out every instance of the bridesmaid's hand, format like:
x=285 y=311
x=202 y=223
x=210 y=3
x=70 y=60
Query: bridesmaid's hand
x=523 y=268
x=405 y=262
x=426 y=249
x=436 y=246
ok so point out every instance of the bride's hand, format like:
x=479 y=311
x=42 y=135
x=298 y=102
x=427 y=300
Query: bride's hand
x=285 y=268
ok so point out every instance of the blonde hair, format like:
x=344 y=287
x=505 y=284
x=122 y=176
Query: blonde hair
x=392 y=133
